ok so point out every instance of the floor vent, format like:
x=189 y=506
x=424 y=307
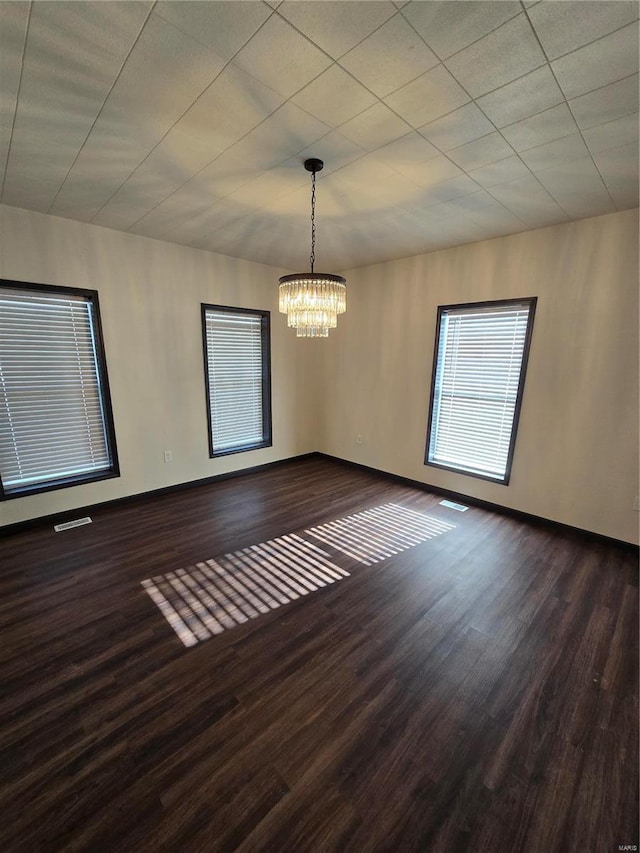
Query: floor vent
x=78 y=522
x=452 y=505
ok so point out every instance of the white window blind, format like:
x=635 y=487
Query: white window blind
x=52 y=419
x=237 y=394
x=477 y=386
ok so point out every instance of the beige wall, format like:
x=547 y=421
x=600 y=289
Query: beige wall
x=576 y=458
x=576 y=455
x=150 y=294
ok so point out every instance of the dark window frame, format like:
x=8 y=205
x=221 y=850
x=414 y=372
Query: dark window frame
x=495 y=303
x=114 y=469
x=265 y=328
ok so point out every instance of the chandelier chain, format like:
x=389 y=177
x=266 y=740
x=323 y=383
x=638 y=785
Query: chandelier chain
x=312 y=257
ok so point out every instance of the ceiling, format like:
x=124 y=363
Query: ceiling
x=440 y=123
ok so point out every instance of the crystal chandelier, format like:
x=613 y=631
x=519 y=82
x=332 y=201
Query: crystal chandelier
x=312 y=301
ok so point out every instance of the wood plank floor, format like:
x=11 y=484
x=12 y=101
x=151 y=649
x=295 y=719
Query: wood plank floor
x=476 y=692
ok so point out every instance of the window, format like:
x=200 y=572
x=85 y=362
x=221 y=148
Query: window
x=56 y=427
x=480 y=365
x=237 y=376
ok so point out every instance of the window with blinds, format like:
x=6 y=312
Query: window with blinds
x=479 y=371
x=237 y=376
x=55 y=415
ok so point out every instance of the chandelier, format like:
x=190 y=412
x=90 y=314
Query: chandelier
x=312 y=301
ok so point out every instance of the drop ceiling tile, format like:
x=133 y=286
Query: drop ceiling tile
x=619 y=165
x=621 y=161
x=409 y=151
x=389 y=58
x=199 y=227
x=285 y=133
x=566 y=26
x=555 y=153
x=168 y=215
x=457 y=128
x=336 y=27
x=137 y=113
x=429 y=97
x=613 y=134
x=295 y=206
x=578 y=188
x=509 y=169
x=606 y=104
x=181 y=154
x=13 y=31
x=120 y=214
x=225 y=27
x=151 y=184
x=272 y=185
x=366 y=185
x=374 y=127
x=156 y=66
x=138 y=102
x=281 y=58
x=241 y=99
x=70 y=64
x=84 y=198
x=448 y=27
x=34 y=163
x=604 y=61
x=481 y=152
x=544 y=127
x=334 y=150
x=528 y=200
x=84 y=32
x=450 y=189
x=31 y=189
x=222 y=177
x=525 y=97
x=499 y=58
x=432 y=172
x=199 y=195
x=482 y=207
x=625 y=198
x=619 y=170
x=334 y=97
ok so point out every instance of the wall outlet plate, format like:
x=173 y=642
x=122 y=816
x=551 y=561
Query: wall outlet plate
x=168 y=456
x=636 y=503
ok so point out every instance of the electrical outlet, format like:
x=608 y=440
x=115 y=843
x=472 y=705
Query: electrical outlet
x=168 y=456
x=358 y=439
x=636 y=503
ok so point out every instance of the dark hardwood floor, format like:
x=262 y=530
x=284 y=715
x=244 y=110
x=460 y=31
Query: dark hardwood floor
x=476 y=692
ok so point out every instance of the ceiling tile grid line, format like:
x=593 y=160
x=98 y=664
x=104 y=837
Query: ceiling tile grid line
x=291 y=98
x=365 y=39
x=445 y=153
x=441 y=123
x=17 y=96
x=189 y=107
x=294 y=95
x=528 y=13
x=421 y=130
x=117 y=77
x=409 y=12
